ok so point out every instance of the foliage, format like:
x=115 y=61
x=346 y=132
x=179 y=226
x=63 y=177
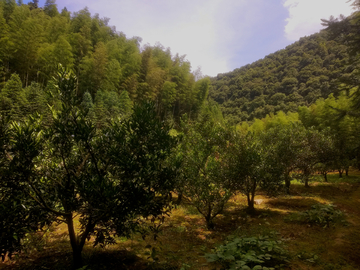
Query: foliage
x=13 y=100
x=340 y=130
x=111 y=178
x=251 y=164
x=201 y=154
x=282 y=81
x=322 y=215
x=260 y=252
x=108 y=65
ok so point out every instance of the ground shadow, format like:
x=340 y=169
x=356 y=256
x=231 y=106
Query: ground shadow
x=60 y=258
x=294 y=204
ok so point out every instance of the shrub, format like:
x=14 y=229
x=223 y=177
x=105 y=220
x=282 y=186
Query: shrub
x=321 y=214
x=249 y=253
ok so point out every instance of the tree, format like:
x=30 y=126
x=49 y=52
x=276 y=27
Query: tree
x=34 y=4
x=110 y=178
x=19 y=213
x=314 y=149
x=93 y=70
x=28 y=34
x=287 y=141
x=9 y=7
x=37 y=100
x=250 y=164
x=13 y=100
x=331 y=115
x=50 y=8
x=203 y=182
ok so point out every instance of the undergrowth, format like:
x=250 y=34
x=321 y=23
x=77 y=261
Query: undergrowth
x=262 y=252
x=319 y=214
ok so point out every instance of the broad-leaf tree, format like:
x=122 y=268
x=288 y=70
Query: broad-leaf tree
x=109 y=178
x=203 y=181
x=251 y=164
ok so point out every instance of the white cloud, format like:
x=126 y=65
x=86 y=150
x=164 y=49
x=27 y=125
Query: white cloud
x=305 y=15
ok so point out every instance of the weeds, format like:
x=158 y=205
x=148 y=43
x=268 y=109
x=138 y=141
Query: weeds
x=319 y=214
x=260 y=252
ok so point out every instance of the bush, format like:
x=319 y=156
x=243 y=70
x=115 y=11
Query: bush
x=321 y=214
x=249 y=253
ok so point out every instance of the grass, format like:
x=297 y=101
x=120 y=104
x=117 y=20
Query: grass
x=184 y=238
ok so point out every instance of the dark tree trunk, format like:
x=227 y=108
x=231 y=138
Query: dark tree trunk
x=75 y=244
x=251 y=203
x=287 y=185
x=325 y=176
x=77 y=259
x=179 y=198
x=307 y=182
x=347 y=171
x=340 y=173
x=209 y=223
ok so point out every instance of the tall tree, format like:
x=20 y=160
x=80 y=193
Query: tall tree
x=251 y=163
x=93 y=70
x=27 y=40
x=12 y=98
x=50 y=8
x=201 y=154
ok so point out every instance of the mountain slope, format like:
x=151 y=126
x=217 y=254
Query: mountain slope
x=297 y=75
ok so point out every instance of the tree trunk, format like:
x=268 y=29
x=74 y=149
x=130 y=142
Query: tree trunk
x=340 y=173
x=77 y=259
x=347 y=171
x=209 y=222
x=76 y=246
x=209 y=218
x=325 y=176
x=307 y=182
x=251 y=202
x=179 y=198
x=287 y=184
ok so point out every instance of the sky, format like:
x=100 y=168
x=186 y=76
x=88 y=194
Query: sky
x=216 y=36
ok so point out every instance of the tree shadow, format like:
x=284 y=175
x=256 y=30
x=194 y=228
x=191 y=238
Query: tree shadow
x=324 y=190
x=58 y=255
x=293 y=204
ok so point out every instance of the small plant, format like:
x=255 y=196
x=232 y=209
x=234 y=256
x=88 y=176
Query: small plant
x=249 y=253
x=308 y=257
x=321 y=214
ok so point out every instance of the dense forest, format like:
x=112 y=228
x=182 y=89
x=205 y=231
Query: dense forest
x=117 y=144
x=295 y=76
x=113 y=72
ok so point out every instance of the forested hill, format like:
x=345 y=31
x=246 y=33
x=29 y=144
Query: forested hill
x=113 y=72
x=297 y=75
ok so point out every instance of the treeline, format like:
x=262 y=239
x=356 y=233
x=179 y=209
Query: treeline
x=113 y=72
x=295 y=76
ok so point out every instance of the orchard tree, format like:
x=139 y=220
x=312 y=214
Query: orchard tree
x=287 y=141
x=251 y=164
x=110 y=178
x=315 y=148
x=201 y=152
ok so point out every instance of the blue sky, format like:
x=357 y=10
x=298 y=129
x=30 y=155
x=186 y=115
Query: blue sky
x=215 y=35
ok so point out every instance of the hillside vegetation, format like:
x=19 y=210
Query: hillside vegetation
x=295 y=76
x=113 y=72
